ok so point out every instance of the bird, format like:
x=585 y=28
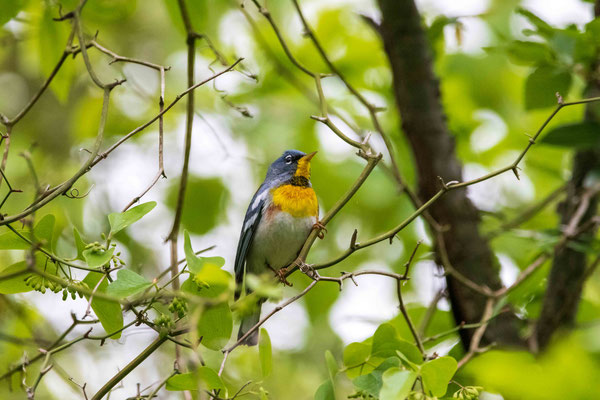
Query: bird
x=281 y=215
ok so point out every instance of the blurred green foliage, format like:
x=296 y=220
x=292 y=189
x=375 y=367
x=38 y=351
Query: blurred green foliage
x=515 y=78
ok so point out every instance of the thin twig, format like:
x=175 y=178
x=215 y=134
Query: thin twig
x=528 y=213
x=478 y=334
x=403 y=310
x=372 y=109
x=96 y=157
x=161 y=384
x=431 y=309
x=161 y=168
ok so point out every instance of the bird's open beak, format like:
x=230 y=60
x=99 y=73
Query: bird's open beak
x=309 y=157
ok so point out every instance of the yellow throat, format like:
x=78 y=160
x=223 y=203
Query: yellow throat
x=298 y=200
x=303 y=168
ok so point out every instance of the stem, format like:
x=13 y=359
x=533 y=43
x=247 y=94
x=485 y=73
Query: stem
x=129 y=367
x=413 y=331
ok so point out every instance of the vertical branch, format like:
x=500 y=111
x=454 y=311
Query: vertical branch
x=403 y=310
x=411 y=326
x=161 y=105
x=83 y=47
x=569 y=265
x=189 y=123
x=6 y=140
x=478 y=334
x=161 y=167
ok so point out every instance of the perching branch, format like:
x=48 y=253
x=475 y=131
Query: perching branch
x=316 y=278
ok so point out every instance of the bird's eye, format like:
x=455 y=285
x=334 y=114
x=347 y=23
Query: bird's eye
x=288 y=159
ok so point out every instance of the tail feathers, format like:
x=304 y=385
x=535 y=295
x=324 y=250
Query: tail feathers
x=247 y=323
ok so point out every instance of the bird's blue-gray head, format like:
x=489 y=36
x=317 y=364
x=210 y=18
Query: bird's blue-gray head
x=293 y=167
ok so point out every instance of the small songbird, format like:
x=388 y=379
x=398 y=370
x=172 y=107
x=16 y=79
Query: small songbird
x=280 y=217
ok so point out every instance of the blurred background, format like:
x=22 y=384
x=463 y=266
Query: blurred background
x=241 y=125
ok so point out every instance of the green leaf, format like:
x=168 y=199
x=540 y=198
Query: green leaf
x=543 y=84
x=436 y=29
x=407 y=362
x=355 y=355
x=127 y=284
x=10 y=9
x=96 y=258
x=110 y=11
x=210 y=282
x=108 y=312
x=194 y=262
x=584 y=50
x=16 y=284
x=10 y=241
x=204 y=202
x=215 y=326
x=192 y=380
x=543 y=28
x=578 y=135
x=211 y=379
x=325 y=391
x=120 y=221
x=386 y=343
x=79 y=244
x=564 y=43
x=187 y=381
x=264 y=353
x=264 y=286
x=42 y=231
x=372 y=383
x=332 y=365
x=528 y=53
x=397 y=384
x=436 y=375
x=51 y=39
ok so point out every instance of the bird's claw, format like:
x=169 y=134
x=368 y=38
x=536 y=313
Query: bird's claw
x=280 y=273
x=321 y=230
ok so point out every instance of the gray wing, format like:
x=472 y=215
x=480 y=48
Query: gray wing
x=253 y=215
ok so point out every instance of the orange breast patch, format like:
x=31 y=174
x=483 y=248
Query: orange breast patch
x=298 y=201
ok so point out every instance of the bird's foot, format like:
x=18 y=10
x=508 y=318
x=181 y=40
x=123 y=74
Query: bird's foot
x=320 y=228
x=280 y=274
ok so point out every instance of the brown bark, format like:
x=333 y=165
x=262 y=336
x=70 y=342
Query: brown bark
x=568 y=273
x=417 y=94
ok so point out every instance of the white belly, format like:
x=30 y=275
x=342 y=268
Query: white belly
x=277 y=241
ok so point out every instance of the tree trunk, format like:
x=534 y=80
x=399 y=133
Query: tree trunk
x=417 y=94
x=567 y=276
x=568 y=273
